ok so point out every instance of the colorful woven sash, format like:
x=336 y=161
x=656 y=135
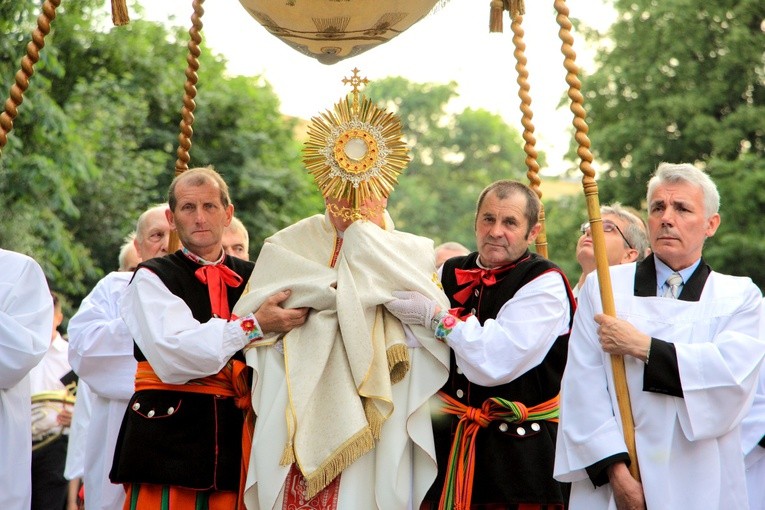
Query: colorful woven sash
x=458 y=485
x=232 y=381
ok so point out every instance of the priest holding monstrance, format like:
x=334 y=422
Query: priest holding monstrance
x=342 y=402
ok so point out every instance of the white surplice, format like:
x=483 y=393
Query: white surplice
x=46 y=377
x=101 y=354
x=688 y=449
x=752 y=432
x=26 y=322
x=78 y=433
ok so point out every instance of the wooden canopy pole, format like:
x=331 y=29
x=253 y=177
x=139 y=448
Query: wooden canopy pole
x=593 y=210
x=517 y=9
x=529 y=147
x=189 y=105
x=21 y=83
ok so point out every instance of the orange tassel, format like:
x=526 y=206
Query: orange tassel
x=516 y=8
x=495 y=19
x=120 y=14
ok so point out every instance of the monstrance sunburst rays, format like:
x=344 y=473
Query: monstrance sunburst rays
x=355 y=152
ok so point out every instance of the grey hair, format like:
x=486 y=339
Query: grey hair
x=686 y=172
x=127 y=245
x=453 y=246
x=636 y=232
x=236 y=225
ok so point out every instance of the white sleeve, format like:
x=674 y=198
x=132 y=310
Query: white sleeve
x=518 y=339
x=719 y=376
x=26 y=317
x=588 y=430
x=753 y=424
x=100 y=345
x=178 y=347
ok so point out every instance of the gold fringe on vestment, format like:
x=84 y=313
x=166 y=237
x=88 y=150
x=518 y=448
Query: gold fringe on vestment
x=375 y=418
x=288 y=455
x=354 y=448
x=398 y=362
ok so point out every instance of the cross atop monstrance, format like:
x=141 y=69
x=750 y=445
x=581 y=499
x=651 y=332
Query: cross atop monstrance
x=355 y=81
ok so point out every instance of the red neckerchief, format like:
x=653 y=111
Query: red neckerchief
x=479 y=276
x=217 y=277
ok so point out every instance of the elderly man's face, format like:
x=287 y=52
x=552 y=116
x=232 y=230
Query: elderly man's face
x=154 y=237
x=617 y=251
x=501 y=230
x=235 y=244
x=677 y=223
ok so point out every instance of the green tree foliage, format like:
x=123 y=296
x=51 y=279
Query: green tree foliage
x=96 y=137
x=681 y=82
x=95 y=140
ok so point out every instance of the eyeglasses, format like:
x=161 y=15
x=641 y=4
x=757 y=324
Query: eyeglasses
x=608 y=226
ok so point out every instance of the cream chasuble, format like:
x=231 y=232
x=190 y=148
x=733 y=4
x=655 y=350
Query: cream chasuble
x=347 y=391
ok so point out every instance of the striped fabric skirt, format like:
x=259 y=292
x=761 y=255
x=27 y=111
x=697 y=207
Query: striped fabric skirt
x=164 y=497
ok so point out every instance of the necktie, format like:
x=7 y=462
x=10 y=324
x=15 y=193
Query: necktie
x=673 y=286
x=474 y=278
x=217 y=277
x=479 y=276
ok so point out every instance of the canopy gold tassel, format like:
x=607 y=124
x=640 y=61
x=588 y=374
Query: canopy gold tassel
x=498 y=7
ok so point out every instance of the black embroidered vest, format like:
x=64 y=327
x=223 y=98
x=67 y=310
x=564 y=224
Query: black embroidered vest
x=514 y=463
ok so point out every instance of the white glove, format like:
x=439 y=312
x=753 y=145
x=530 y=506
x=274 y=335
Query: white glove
x=411 y=307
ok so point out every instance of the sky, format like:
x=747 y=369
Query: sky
x=451 y=44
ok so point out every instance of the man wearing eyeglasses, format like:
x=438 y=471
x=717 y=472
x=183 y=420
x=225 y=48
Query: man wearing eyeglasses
x=690 y=340
x=626 y=241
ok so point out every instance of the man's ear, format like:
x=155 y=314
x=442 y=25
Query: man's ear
x=630 y=255
x=712 y=223
x=229 y=214
x=170 y=218
x=533 y=233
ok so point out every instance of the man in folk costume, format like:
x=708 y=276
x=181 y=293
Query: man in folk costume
x=182 y=439
x=26 y=319
x=690 y=340
x=508 y=330
x=342 y=401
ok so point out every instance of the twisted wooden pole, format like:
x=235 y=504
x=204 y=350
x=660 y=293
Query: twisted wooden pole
x=27 y=69
x=189 y=105
x=517 y=9
x=529 y=147
x=598 y=237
